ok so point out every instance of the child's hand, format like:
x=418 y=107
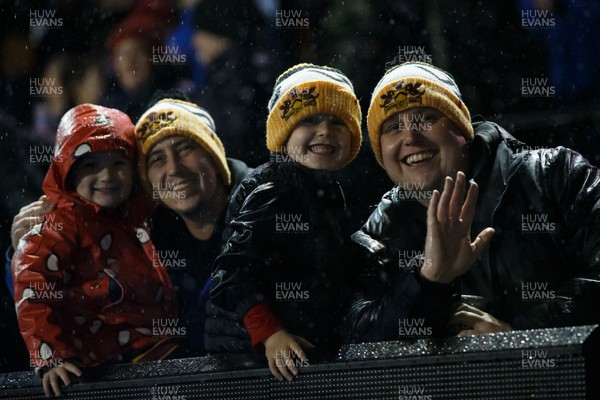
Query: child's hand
x=278 y=350
x=51 y=378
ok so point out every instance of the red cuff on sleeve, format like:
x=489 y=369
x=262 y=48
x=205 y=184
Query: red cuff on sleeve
x=261 y=323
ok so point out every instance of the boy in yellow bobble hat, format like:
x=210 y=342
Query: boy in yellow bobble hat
x=285 y=270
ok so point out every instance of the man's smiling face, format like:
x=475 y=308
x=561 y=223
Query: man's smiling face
x=182 y=174
x=420 y=147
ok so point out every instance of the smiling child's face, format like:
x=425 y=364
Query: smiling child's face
x=105 y=178
x=320 y=142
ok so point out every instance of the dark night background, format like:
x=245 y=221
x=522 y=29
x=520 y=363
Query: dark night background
x=234 y=51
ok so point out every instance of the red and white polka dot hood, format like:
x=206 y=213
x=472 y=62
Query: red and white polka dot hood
x=87 y=128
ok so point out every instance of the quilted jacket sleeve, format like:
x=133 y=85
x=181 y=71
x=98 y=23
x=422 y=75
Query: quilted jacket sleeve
x=241 y=271
x=568 y=182
x=389 y=300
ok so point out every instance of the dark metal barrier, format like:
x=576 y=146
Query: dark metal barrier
x=537 y=364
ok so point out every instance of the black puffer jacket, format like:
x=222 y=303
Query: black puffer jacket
x=286 y=246
x=542 y=267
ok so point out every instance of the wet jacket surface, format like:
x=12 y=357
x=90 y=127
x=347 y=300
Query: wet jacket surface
x=284 y=246
x=542 y=267
x=88 y=282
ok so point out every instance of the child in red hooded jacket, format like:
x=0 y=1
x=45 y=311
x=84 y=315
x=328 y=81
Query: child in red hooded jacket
x=89 y=286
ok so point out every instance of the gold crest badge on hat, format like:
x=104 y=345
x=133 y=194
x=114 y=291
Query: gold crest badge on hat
x=297 y=101
x=401 y=96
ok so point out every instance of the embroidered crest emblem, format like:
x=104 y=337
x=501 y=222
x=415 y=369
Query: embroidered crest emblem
x=155 y=122
x=402 y=95
x=297 y=101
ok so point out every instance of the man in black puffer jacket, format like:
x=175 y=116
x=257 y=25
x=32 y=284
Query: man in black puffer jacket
x=538 y=267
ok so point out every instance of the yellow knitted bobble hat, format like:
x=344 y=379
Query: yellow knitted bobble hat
x=170 y=117
x=415 y=84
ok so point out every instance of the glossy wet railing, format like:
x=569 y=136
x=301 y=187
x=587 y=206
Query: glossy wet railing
x=538 y=364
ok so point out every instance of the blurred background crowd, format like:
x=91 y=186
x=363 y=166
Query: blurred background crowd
x=531 y=65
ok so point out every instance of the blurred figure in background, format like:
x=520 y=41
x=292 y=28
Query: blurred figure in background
x=570 y=32
x=87 y=81
x=53 y=100
x=130 y=48
x=238 y=72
